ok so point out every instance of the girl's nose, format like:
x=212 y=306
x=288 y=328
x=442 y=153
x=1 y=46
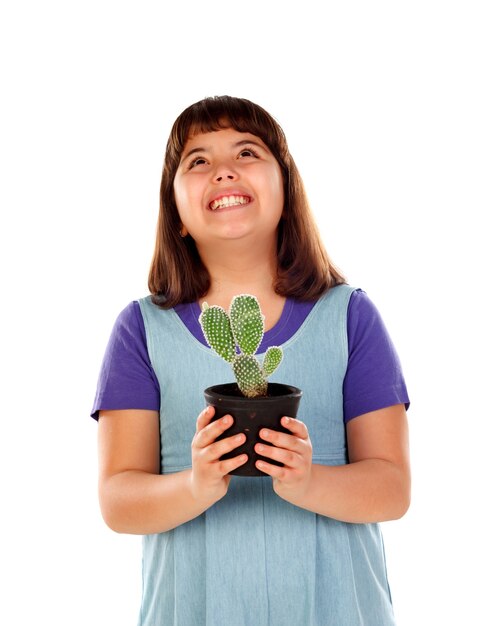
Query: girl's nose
x=224 y=171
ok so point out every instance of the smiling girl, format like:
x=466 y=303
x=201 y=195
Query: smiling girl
x=301 y=545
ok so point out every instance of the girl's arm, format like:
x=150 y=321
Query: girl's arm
x=373 y=487
x=134 y=497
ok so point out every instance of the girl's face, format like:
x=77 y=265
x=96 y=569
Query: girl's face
x=228 y=186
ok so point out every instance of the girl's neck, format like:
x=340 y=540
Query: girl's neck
x=250 y=271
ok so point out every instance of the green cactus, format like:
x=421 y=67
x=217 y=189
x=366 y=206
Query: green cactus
x=243 y=328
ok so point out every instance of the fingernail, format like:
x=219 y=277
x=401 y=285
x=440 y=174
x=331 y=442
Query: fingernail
x=265 y=433
x=226 y=419
x=286 y=420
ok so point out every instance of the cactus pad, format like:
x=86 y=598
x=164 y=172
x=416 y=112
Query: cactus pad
x=249 y=376
x=218 y=334
x=273 y=358
x=247 y=323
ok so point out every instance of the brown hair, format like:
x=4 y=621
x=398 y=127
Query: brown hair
x=177 y=274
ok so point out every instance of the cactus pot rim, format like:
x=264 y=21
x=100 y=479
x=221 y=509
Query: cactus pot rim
x=252 y=414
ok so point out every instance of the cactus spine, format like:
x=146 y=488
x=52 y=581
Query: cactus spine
x=236 y=337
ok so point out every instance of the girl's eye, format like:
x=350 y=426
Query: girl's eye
x=248 y=152
x=197 y=161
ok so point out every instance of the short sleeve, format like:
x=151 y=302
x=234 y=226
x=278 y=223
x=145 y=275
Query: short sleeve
x=127 y=379
x=374 y=378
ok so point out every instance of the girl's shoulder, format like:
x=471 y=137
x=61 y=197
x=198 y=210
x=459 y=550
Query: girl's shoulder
x=127 y=379
x=130 y=316
x=364 y=320
x=374 y=378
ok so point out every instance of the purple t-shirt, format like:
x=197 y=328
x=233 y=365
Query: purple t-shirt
x=373 y=380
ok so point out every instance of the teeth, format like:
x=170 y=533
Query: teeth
x=227 y=201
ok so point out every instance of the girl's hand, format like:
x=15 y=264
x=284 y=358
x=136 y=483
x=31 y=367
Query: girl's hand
x=291 y=481
x=209 y=477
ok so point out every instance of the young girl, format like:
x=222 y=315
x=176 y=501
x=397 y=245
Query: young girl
x=300 y=545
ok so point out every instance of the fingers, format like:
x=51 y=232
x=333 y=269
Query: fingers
x=207 y=431
x=286 y=457
x=209 y=476
x=292 y=451
x=225 y=467
x=283 y=440
x=218 y=449
x=297 y=427
x=205 y=443
x=204 y=418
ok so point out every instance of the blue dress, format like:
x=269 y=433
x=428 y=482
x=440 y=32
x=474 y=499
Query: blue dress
x=253 y=559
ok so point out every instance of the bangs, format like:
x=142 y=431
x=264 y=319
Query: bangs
x=221 y=112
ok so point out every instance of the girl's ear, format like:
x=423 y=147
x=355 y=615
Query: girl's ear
x=183 y=231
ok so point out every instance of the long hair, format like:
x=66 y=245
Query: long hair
x=177 y=274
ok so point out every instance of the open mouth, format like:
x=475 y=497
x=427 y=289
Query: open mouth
x=228 y=201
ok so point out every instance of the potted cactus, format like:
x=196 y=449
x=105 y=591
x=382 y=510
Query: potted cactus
x=251 y=400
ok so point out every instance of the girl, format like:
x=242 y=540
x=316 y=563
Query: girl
x=301 y=544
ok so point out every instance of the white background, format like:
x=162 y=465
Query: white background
x=378 y=101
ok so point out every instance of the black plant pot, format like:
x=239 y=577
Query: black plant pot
x=252 y=414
